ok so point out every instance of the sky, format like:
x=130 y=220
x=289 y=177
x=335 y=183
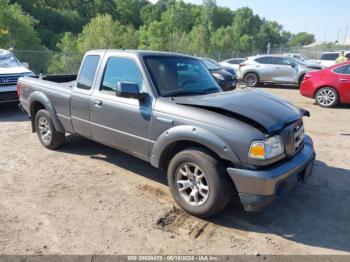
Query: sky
x=323 y=18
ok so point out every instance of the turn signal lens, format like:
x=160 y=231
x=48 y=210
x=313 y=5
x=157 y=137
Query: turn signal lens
x=269 y=148
x=257 y=150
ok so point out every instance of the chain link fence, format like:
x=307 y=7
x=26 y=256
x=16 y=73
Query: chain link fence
x=49 y=62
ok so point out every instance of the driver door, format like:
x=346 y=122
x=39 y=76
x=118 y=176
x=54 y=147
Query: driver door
x=122 y=123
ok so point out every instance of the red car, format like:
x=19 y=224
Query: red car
x=328 y=87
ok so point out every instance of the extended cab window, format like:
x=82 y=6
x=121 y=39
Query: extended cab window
x=120 y=69
x=87 y=72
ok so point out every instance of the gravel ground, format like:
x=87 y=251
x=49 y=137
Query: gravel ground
x=90 y=199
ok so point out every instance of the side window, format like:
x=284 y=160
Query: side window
x=347 y=55
x=87 y=72
x=120 y=69
x=340 y=69
x=264 y=60
x=284 y=61
x=347 y=70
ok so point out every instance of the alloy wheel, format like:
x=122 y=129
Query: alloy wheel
x=45 y=130
x=326 y=97
x=192 y=184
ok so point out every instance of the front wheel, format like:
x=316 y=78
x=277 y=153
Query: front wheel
x=251 y=79
x=327 y=97
x=46 y=131
x=199 y=183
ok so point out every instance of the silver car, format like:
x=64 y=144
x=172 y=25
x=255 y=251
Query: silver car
x=272 y=69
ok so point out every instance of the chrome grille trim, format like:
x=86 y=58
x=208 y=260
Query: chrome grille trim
x=9 y=79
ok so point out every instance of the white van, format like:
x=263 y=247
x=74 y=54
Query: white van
x=327 y=59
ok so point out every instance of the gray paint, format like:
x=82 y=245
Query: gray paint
x=222 y=122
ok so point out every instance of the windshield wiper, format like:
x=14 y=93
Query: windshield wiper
x=192 y=92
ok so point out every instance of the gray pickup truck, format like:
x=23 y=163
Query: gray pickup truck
x=167 y=109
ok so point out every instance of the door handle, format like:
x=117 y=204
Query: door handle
x=98 y=103
x=165 y=120
x=343 y=79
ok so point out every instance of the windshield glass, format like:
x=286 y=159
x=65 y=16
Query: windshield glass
x=9 y=60
x=173 y=76
x=293 y=60
x=211 y=65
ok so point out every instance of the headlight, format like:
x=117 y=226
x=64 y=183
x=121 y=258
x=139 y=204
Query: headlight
x=267 y=149
x=28 y=74
x=218 y=76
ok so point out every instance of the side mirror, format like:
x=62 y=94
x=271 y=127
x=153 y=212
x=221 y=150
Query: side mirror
x=293 y=65
x=25 y=64
x=129 y=90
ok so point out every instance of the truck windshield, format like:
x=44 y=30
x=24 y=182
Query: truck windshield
x=173 y=76
x=9 y=61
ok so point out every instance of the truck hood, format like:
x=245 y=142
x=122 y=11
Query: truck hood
x=253 y=105
x=13 y=70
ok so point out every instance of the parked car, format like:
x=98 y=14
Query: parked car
x=306 y=61
x=307 y=64
x=10 y=70
x=328 y=87
x=233 y=63
x=273 y=69
x=216 y=63
x=327 y=59
x=226 y=80
x=166 y=109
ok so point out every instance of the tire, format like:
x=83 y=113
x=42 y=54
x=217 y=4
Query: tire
x=301 y=79
x=210 y=173
x=251 y=79
x=46 y=131
x=327 y=97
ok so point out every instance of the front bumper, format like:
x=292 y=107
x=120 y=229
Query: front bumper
x=259 y=188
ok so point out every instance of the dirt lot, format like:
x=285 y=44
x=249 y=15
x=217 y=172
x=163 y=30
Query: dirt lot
x=90 y=199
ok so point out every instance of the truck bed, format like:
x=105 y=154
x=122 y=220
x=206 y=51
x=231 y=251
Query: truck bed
x=65 y=80
x=57 y=89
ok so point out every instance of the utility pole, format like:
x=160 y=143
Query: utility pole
x=268 y=48
x=337 y=41
x=346 y=34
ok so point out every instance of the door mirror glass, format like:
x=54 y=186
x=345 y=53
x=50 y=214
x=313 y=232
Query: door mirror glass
x=129 y=90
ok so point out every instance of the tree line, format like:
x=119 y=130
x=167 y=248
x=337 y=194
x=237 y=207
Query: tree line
x=75 y=26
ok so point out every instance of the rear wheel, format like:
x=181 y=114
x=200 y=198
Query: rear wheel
x=327 y=97
x=46 y=131
x=199 y=183
x=251 y=79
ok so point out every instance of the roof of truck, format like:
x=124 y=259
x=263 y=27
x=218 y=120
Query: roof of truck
x=140 y=52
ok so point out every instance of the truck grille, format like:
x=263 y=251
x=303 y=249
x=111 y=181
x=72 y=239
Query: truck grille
x=293 y=137
x=9 y=79
x=298 y=136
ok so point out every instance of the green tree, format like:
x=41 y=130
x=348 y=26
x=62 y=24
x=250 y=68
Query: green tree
x=17 y=31
x=104 y=32
x=128 y=11
x=302 y=39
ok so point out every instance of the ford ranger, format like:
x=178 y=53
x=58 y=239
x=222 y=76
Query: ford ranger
x=166 y=109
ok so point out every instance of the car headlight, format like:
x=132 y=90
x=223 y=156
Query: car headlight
x=267 y=149
x=218 y=76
